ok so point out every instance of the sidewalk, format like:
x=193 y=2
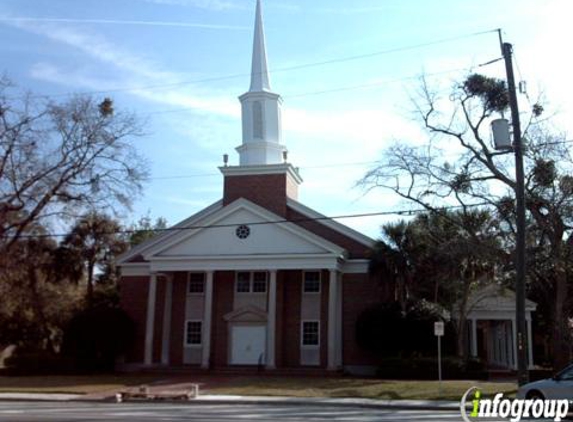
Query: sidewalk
x=39 y=397
x=238 y=400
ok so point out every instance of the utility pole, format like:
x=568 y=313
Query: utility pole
x=522 y=374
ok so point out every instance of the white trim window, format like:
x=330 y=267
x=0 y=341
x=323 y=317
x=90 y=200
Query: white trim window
x=310 y=334
x=196 y=283
x=193 y=333
x=251 y=282
x=311 y=282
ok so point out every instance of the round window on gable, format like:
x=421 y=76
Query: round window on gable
x=243 y=231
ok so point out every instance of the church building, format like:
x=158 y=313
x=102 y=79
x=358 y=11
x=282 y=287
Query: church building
x=256 y=279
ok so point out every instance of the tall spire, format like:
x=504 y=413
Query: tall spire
x=259 y=72
x=260 y=109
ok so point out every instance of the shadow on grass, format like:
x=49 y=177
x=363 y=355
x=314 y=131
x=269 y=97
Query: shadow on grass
x=389 y=395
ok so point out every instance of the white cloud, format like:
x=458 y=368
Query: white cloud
x=202 y=4
x=123 y=22
x=137 y=72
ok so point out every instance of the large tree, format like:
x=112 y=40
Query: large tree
x=37 y=298
x=93 y=243
x=61 y=159
x=443 y=258
x=458 y=166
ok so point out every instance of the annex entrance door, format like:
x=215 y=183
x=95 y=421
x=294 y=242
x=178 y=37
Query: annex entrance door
x=248 y=344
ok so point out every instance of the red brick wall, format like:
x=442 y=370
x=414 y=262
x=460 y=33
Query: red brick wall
x=133 y=300
x=178 y=318
x=359 y=293
x=355 y=249
x=267 y=190
x=290 y=319
x=223 y=286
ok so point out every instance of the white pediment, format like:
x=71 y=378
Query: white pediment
x=268 y=235
x=246 y=314
x=496 y=298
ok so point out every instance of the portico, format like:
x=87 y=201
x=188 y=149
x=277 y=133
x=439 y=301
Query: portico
x=492 y=327
x=252 y=325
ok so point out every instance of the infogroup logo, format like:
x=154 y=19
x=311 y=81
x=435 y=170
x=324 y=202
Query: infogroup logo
x=515 y=409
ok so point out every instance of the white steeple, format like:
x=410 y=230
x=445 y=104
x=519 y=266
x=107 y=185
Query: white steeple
x=259 y=71
x=260 y=109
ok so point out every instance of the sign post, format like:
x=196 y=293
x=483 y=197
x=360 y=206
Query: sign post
x=439 y=332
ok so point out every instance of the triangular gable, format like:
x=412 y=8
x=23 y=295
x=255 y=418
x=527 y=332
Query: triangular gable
x=215 y=235
x=496 y=298
x=246 y=314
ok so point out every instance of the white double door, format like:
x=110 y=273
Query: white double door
x=248 y=344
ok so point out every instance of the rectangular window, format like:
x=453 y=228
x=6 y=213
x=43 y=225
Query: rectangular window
x=193 y=332
x=251 y=282
x=310 y=333
x=243 y=282
x=260 y=282
x=311 y=282
x=196 y=283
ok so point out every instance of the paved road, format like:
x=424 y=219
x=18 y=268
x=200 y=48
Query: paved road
x=143 y=412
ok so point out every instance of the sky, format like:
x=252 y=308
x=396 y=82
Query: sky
x=348 y=72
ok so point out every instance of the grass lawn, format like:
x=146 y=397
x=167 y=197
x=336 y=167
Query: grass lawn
x=258 y=386
x=355 y=387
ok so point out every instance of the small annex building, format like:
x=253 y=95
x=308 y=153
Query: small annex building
x=492 y=327
x=257 y=278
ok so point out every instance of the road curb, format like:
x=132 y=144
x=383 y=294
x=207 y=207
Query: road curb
x=246 y=400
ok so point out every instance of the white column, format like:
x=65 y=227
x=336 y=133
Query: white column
x=473 y=344
x=515 y=345
x=530 y=344
x=271 y=320
x=166 y=332
x=339 y=322
x=149 y=325
x=332 y=305
x=207 y=316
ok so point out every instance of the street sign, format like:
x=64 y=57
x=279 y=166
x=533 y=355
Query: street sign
x=439 y=332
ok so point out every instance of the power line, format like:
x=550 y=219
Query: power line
x=373 y=85
x=321 y=92
x=284 y=69
x=323 y=166
x=262 y=223
x=342 y=164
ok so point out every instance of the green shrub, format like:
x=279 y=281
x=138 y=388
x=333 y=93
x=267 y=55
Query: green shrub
x=426 y=368
x=96 y=337
x=38 y=363
x=386 y=332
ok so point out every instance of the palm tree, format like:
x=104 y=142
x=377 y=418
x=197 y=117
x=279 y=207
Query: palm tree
x=94 y=240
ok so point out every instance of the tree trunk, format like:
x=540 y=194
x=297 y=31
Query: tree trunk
x=90 y=291
x=38 y=305
x=561 y=336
